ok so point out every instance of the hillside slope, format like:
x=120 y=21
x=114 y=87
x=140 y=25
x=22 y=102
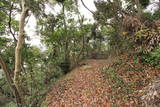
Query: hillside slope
x=114 y=82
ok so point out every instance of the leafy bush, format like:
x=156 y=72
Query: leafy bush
x=148 y=16
x=144 y=3
x=156 y=15
x=151 y=17
x=153 y=58
x=148 y=39
x=11 y=104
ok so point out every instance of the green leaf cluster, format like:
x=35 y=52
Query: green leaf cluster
x=153 y=58
x=142 y=33
x=148 y=16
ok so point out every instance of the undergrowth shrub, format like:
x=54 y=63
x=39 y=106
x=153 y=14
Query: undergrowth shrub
x=115 y=78
x=147 y=39
x=152 y=58
x=127 y=76
x=125 y=44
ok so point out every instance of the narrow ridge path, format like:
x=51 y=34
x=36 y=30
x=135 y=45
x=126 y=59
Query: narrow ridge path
x=83 y=87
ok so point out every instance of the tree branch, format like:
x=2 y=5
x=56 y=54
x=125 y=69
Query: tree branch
x=9 y=23
x=6 y=71
x=87 y=7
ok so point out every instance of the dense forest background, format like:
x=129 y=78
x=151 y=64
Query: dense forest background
x=28 y=72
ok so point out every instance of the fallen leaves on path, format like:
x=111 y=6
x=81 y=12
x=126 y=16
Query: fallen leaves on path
x=83 y=87
x=115 y=82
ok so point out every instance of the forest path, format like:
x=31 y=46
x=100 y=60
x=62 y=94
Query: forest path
x=83 y=87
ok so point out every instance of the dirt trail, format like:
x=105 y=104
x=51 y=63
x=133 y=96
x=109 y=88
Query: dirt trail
x=83 y=87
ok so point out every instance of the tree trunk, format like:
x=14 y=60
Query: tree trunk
x=66 y=57
x=139 y=9
x=18 y=51
x=81 y=20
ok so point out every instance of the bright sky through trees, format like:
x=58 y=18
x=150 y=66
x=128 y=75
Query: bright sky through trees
x=31 y=31
x=30 y=28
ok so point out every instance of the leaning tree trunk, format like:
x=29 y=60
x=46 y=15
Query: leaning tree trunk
x=18 y=50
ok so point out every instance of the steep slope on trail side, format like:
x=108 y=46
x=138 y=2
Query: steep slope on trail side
x=83 y=87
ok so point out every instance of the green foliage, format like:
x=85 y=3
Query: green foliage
x=107 y=10
x=102 y=7
x=7 y=51
x=3 y=21
x=148 y=16
x=148 y=39
x=113 y=75
x=4 y=41
x=115 y=105
x=156 y=15
x=15 y=23
x=70 y=5
x=37 y=7
x=142 y=33
x=118 y=86
x=153 y=58
x=38 y=73
x=144 y=3
x=11 y=104
x=61 y=1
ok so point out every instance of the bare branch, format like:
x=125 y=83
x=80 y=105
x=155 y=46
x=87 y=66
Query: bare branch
x=87 y=7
